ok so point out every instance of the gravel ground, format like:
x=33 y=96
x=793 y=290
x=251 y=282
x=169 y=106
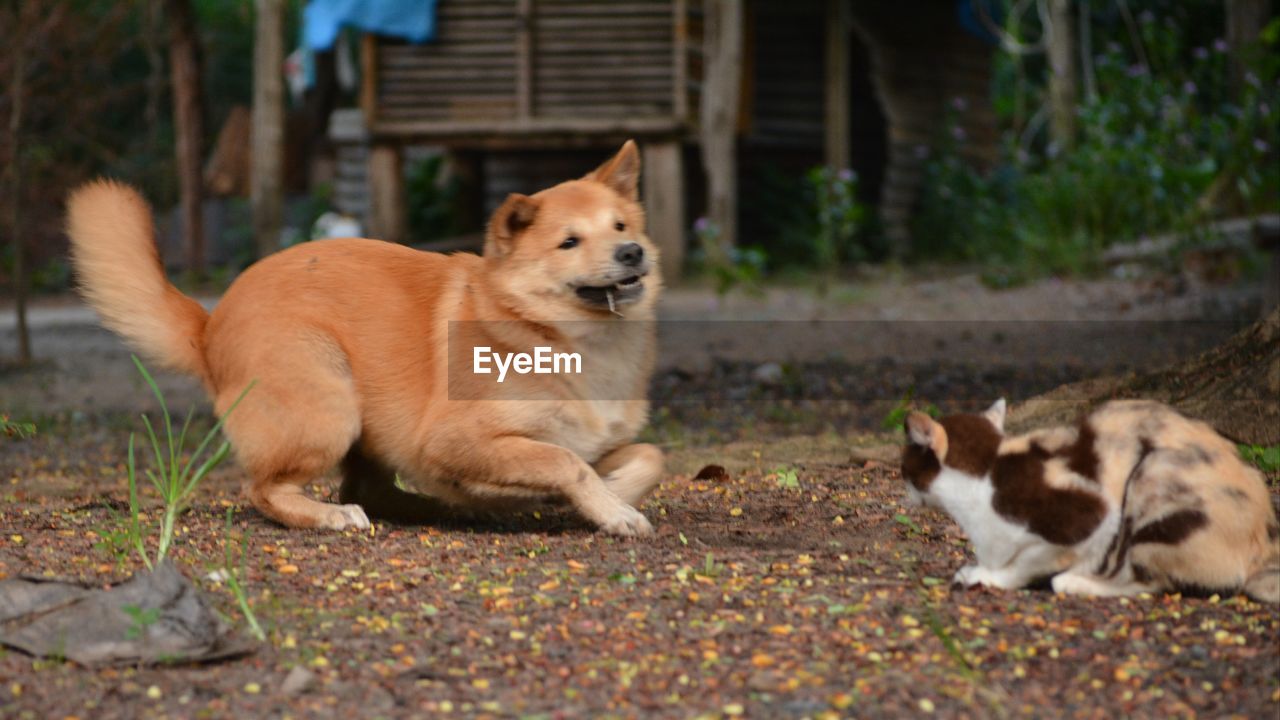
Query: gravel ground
x=764 y=594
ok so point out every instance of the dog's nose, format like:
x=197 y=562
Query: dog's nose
x=629 y=254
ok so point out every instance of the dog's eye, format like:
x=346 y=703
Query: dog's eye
x=619 y=226
x=569 y=242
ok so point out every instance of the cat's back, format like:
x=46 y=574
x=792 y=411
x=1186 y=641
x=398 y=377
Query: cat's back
x=1170 y=462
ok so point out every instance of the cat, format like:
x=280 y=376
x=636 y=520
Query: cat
x=1136 y=498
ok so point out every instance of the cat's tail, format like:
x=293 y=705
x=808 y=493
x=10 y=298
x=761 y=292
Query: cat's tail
x=1263 y=584
x=114 y=252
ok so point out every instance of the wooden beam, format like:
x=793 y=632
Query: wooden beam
x=524 y=58
x=388 y=214
x=266 y=179
x=719 y=118
x=369 y=78
x=837 y=143
x=532 y=126
x=680 y=59
x=663 y=193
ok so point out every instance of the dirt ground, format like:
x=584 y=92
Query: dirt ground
x=764 y=594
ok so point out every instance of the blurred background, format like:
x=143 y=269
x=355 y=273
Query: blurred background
x=861 y=161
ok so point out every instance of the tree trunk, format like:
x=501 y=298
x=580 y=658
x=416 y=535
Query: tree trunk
x=17 y=90
x=720 y=96
x=1233 y=387
x=1245 y=19
x=267 y=136
x=1062 y=75
x=188 y=121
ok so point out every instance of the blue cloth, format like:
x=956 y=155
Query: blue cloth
x=413 y=20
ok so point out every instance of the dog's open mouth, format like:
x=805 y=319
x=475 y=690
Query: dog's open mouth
x=628 y=289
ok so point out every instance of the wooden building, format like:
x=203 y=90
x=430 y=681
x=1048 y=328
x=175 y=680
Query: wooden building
x=711 y=89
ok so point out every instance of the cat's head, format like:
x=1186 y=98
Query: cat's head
x=963 y=444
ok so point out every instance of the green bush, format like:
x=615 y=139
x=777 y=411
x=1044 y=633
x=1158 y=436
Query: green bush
x=1160 y=142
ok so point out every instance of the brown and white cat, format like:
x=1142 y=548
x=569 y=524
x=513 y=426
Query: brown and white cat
x=1135 y=498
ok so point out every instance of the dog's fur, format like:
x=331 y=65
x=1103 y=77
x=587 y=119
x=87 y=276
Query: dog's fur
x=347 y=344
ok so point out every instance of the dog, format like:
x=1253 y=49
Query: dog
x=366 y=355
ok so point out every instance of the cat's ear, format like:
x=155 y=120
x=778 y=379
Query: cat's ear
x=926 y=432
x=995 y=414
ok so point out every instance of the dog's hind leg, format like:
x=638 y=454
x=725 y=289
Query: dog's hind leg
x=631 y=472
x=289 y=430
x=372 y=486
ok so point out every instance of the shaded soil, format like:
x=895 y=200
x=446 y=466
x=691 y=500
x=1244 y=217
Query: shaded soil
x=824 y=600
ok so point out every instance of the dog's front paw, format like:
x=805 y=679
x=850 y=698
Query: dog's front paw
x=341 y=517
x=628 y=522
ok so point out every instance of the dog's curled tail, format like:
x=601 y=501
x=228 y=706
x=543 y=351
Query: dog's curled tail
x=118 y=267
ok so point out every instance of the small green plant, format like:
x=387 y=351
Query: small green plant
x=1266 y=459
x=840 y=215
x=16 y=429
x=906 y=521
x=172 y=478
x=142 y=619
x=786 y=478
x=894 y=418
x=233 y=571
x=729 y=267
x=711 y=568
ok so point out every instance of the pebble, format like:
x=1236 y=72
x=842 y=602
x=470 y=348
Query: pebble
x=297 y=681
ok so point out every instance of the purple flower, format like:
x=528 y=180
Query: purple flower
x=701 y=225
x=958 y=133
x=1200 y=53
x=1189 y=87
x=959 y=104
x=1252 y=79
x=1137 y=70
x=846 y=175
x=1220 y=45
x=1260 y=145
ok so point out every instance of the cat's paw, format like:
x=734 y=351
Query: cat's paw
x=1072 y=584
x=969 y=575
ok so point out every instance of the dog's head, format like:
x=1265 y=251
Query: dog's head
x=579 y=249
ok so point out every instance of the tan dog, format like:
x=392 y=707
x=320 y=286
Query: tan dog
x=361 y=353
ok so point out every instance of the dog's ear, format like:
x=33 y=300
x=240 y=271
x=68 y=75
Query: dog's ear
x=513 y=217
x=621 y=172
x=926 y=432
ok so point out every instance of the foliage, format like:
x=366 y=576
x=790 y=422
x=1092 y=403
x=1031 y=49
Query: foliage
x=1161 y=140
x=432 y=198
x=233 y=571
x=786 y=478
x=894 y=419
x=740 y=267
x=16 y=429
x=1266 y=459
x=174 y=479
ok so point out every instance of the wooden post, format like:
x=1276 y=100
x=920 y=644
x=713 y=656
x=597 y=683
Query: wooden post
x=18 y=93
x=387 y=211
x=266 y=181
x=664 y=203
x=188 y=121
x=836 y=87
x=1062 y=74
x=719 y=121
